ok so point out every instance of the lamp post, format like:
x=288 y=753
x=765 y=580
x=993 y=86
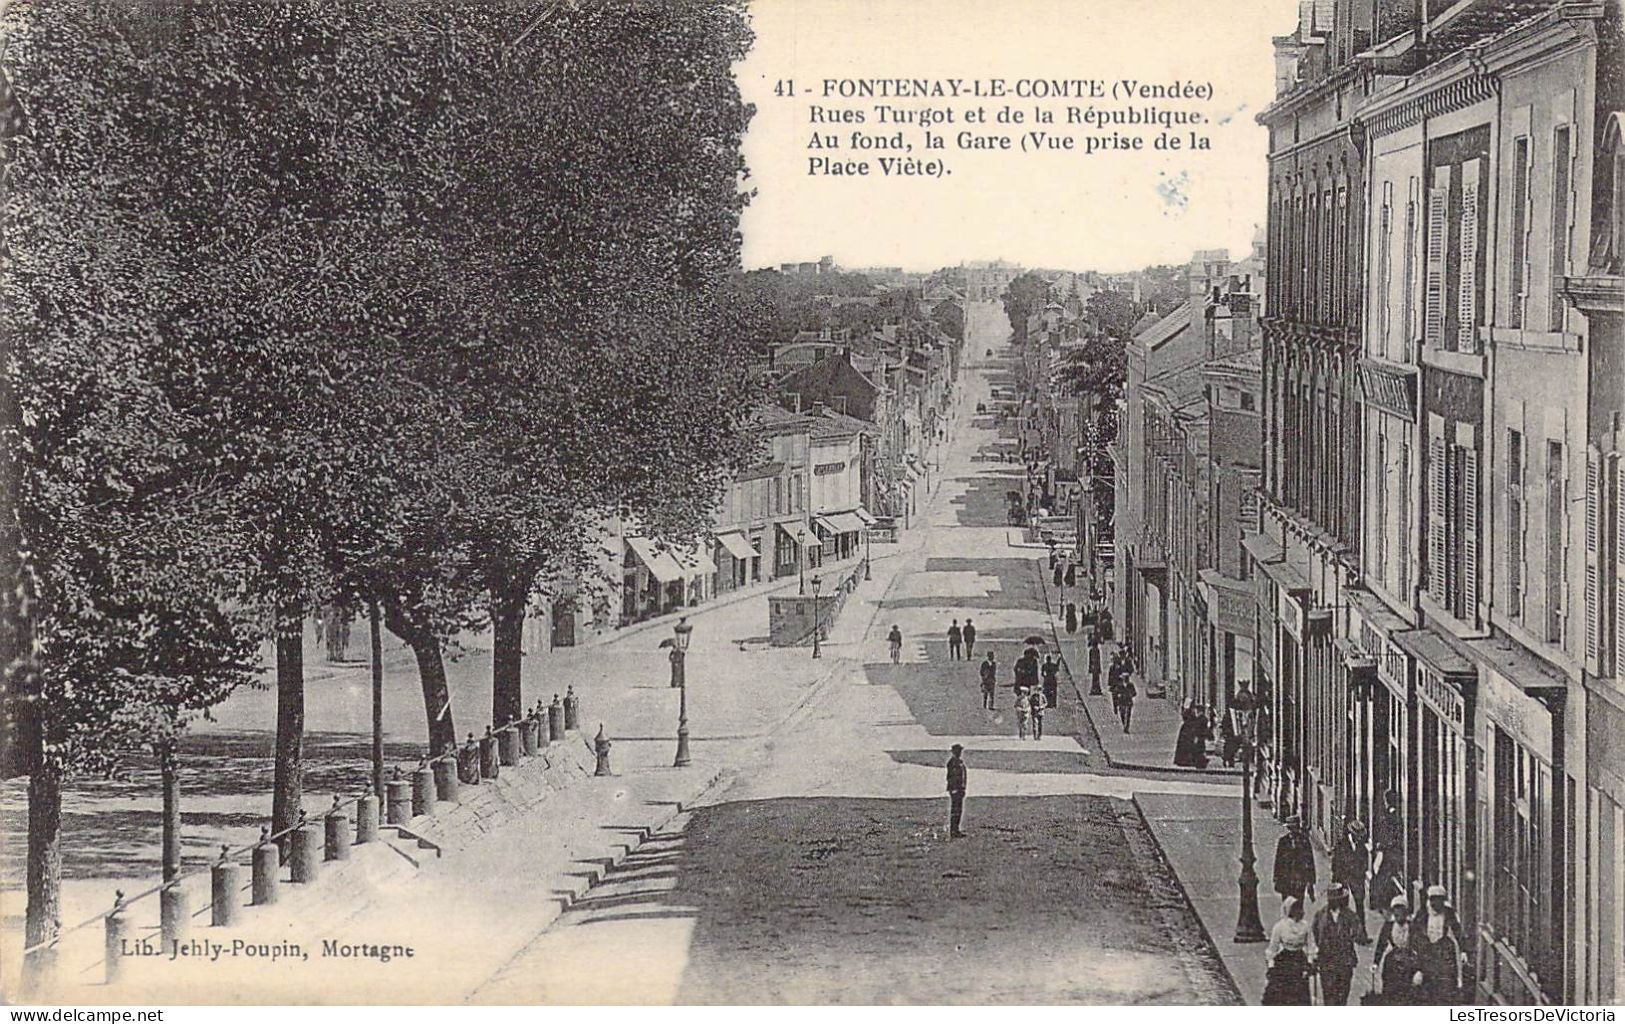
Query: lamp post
x=801 y=551
x=866 y=555
x=817 y=622
x=1249 y=927
x=679 y=646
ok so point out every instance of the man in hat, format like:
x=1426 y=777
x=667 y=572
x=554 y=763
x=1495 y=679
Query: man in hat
x=1349 y=867
x=955 y=636
x=1440 y=949
x=969 y=633
x=1295 y=862
x=1337 y=928
x=989 y=672
x=956 y=791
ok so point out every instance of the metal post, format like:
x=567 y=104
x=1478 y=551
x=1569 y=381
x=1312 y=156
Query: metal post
x=867 y=557
x=1249 y=927
x=682 y=759
x=377 y=702
x=817 y=625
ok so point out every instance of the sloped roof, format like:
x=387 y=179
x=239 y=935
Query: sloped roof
x=1159 y=333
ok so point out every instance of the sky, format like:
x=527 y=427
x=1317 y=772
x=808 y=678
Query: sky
x=1109 y=211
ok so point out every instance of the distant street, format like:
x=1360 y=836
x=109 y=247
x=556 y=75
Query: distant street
x=825 y=873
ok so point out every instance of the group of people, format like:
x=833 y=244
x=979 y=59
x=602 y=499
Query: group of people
x=1195 y=733
x=1418 y=959
x=961 y=641
x=1037 y=689
x=1119 y=680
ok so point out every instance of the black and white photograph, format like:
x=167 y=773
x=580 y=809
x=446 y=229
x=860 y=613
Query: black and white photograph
x=808 y=503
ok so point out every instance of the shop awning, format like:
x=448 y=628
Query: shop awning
x=825 y=526
x=661 y=565
x=914 y=470
x=694 y=562
x=865 y=515
x=794 y=529
x=737 y=545
x=1432 y=650
x=847 y=522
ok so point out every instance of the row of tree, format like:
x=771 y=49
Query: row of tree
x=365 y=303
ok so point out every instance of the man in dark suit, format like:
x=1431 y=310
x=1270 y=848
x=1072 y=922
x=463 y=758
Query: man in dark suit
x=969 y=633
x=956 y=791
x=1295 y=862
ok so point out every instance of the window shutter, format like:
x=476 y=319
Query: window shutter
x=1593 y=536
x=1433 y=300
x=1469 y=529
x=1619 y=566
x=1436 y=477
x=1467 y=297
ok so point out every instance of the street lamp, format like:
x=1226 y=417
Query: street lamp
x=801 y=541
x=817 y=622
x=866 y=556
x=679 y=650
x=1249 y=927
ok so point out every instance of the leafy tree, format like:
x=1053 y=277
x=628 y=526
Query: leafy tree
x=1023 y=297
x=949 y=316
x=1112 y=312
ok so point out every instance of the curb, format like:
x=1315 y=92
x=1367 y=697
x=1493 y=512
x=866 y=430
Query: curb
x=1234 y=989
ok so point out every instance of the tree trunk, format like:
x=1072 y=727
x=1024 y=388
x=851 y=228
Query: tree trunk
x=436 y=695
x=377 y=700
x=288 y=787
x=44 y=916
x=507 y=657
x=169 y=770
x=431 y=675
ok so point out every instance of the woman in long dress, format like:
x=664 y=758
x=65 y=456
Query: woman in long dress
x=1289 y=957
x=1396 y=968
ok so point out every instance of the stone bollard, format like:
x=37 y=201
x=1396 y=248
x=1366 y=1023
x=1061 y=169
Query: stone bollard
x=336 y=833
x=225 y=890
x=572 y=708
x=174 y=915
x=508 y=746
x=39 y=973
x=489 y=765
x=600 y=747
x=544 y=733
x=366 y=819
x=422 y=789
x=398 y=801
x=266 y=865
x=527 y=736
x=304 y=857
x=113 y=939
x=555 y=719
x=445 y=779
x=468 y=762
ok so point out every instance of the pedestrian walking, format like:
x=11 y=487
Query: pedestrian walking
x=956 y=791
x=1396 y=970
x=1289 y=958
x=955 y=641
x=1128 y=693
x=1052 y=681
x=990 y=674
x=1024 y=711
x=1388 y=851
x=1036 y=704
x=1094 y=667
x=969 y=633
x=1441 y=950
x=895 y=639
x=1295 y=862
x=1057 y=572
x=1337 y=929
x=1349 y=864
x=1071 y=574
x=1071 y=617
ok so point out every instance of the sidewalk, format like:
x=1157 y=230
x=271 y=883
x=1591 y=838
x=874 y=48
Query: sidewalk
x=1154 y=727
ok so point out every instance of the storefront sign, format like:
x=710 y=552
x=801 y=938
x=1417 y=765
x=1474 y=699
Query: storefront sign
x=1290 y=613
x=1516 y=713
x=1249 y=512
x=1235 y=612
x=1441 y=696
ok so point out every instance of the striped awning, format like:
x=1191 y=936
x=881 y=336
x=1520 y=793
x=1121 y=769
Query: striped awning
x=661 y=565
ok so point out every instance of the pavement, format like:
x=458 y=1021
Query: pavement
x=802 y=858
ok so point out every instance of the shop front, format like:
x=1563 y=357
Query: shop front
x=1446 y=766
x=1290 y=588
x=1385 y=742
x=1524 y=901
